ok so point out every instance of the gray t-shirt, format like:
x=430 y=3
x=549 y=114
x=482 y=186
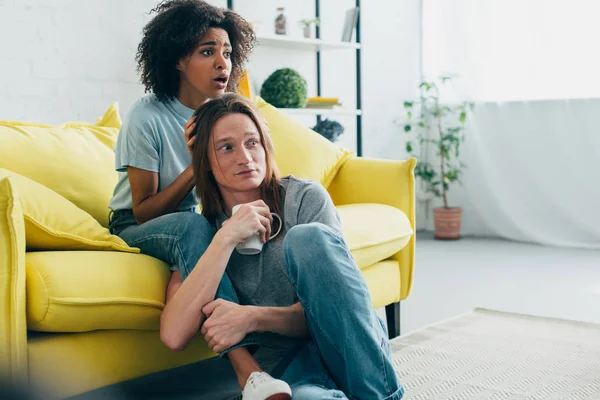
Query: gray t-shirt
x=262 y=280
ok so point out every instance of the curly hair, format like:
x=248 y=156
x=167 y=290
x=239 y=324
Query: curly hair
x=174 y=33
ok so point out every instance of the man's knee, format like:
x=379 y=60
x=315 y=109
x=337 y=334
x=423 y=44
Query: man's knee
x=307 y=245
x=307 y=236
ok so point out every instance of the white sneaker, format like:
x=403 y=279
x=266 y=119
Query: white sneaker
x=262 y=386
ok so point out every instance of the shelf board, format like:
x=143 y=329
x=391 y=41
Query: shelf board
x=299 y=43
x=320 y=111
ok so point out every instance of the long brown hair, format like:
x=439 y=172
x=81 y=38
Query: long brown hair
x=206 y=186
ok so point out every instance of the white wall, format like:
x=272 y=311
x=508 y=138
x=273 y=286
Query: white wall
x=68 y=60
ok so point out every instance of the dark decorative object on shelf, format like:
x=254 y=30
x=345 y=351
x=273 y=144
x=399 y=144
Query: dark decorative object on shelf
x=329 y=129
x=285 y=88
x=280 y=22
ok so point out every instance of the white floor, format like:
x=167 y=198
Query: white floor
x=452 y=277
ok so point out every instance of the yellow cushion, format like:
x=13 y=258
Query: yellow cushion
x=374 y=232
x=76 y=291
x=79 y=291
x=301 y=151
x=76 y=159
x=383 y=280
x=54 y=223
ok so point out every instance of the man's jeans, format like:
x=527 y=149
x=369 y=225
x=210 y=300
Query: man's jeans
x=179 y=239
x=349 y=355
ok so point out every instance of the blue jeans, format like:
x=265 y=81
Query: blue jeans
x=349 y=355
x=179 y=239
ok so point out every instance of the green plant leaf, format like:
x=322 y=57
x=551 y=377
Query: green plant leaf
x=463 y=117
x=409 y=147
x=409 y=114
x=408 y=104
x=425 y=85
x=407 y=128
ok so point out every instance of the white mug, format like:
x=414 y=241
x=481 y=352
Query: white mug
x=253 y=245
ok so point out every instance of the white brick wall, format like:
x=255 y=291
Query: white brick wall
x=66 y=60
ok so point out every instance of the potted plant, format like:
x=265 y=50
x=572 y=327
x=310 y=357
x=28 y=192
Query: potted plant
x=285 y=88
x=307 y=24
x=439 y=127
x=329 y=129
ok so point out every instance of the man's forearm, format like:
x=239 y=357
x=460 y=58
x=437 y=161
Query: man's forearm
x=287 y=321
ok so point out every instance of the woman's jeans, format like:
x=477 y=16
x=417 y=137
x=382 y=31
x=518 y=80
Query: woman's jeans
x=179 y=239
x=348 y=355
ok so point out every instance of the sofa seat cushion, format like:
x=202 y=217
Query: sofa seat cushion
x=374 y=232
x=77 y=291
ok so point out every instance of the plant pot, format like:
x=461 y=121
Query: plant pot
x=307 y=32
x=447 y=223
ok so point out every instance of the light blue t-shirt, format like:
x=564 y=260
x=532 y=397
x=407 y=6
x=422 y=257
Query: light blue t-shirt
x=151 y=138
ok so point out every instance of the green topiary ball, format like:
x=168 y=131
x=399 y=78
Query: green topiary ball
x=284 y=88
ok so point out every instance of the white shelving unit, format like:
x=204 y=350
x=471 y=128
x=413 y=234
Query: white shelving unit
x=298 y=43
x=317 y=45
x=320 y=111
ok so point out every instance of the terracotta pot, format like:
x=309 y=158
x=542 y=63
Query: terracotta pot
x=447 y=223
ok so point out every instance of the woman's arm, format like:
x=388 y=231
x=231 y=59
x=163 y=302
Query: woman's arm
x=287 y=321
x=148 y=202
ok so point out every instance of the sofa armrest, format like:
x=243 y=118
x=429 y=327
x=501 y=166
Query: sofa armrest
x=13 y=326
x=367 y=180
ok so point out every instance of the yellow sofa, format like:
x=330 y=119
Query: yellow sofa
x=80 y=310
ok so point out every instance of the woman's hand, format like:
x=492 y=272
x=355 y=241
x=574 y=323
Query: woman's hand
x=249 y=219
x=226 y=325
x=188 y=129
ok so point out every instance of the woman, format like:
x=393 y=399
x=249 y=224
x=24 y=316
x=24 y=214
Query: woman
x=190 y=53
x=302 y=296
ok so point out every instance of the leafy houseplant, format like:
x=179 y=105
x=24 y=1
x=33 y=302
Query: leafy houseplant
x=441 y=126
x=329 y=129
x=307 y=24
x=285 y=88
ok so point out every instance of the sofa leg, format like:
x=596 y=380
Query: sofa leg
x=392 y=313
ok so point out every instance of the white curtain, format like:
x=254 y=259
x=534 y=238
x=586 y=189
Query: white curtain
x=534 y=172
x=533 y=146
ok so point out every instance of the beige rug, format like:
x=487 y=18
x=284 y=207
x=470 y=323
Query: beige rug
x=494 y=355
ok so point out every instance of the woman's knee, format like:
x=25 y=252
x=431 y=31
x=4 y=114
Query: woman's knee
x=194 y=235
x=193 y=227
